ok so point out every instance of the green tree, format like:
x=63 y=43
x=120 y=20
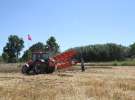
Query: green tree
x=26 y=56
x=116 y=52
x=12 y=49
x=132 y=50
x=34 y=48
x=1 y=59
x=37 y=47
x=52 y=45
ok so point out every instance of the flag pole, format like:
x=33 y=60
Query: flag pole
x=29 y=40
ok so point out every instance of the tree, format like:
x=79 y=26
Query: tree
x=116 y=52
x=1 y=59
x=37 y=47
x=12 y=49
x=132 y=50
x=52 y=45
x=34 y=48
x=26 y=56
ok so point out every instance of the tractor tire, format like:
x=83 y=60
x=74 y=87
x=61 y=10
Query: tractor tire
x=43 y=68
x=39 y=69
x=25 y=70
x=50 y=69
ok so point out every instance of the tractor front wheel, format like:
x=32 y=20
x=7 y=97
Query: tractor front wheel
x=25 y=69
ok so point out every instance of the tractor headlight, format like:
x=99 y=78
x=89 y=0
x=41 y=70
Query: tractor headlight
x=27 y=65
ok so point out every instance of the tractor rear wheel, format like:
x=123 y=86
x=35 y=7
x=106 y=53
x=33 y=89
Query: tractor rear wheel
x=40 y=68
x=37 y=69
x=43 y=68
x=50 y=69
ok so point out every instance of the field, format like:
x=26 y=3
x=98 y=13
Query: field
x=96 y=83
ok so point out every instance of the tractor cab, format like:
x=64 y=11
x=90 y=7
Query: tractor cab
x=40 y=56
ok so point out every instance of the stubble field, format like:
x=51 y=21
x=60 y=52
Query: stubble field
x=96 y=83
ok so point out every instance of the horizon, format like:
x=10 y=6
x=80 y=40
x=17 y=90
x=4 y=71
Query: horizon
x=73 y=23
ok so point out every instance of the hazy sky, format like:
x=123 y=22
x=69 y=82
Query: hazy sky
x=72 y=22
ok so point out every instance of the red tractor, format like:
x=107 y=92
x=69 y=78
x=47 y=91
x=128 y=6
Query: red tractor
x=43 y=62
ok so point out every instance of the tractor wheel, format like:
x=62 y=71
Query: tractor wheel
x=25 y=70
x=50 y=69
x=39 y=69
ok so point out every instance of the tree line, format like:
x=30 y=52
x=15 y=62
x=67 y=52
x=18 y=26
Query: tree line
x=105 y=52
x=90 y=53
x=15 y=44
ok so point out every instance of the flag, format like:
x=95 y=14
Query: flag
x=29 y=37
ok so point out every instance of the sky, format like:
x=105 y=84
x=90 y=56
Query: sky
x=72 y=22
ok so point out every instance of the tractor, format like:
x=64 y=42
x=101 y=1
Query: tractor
x=43 y=62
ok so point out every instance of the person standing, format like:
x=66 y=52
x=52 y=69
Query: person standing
x=82 y=65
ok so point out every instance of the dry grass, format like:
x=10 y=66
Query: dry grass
x=114 y=83
x=9 y=68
